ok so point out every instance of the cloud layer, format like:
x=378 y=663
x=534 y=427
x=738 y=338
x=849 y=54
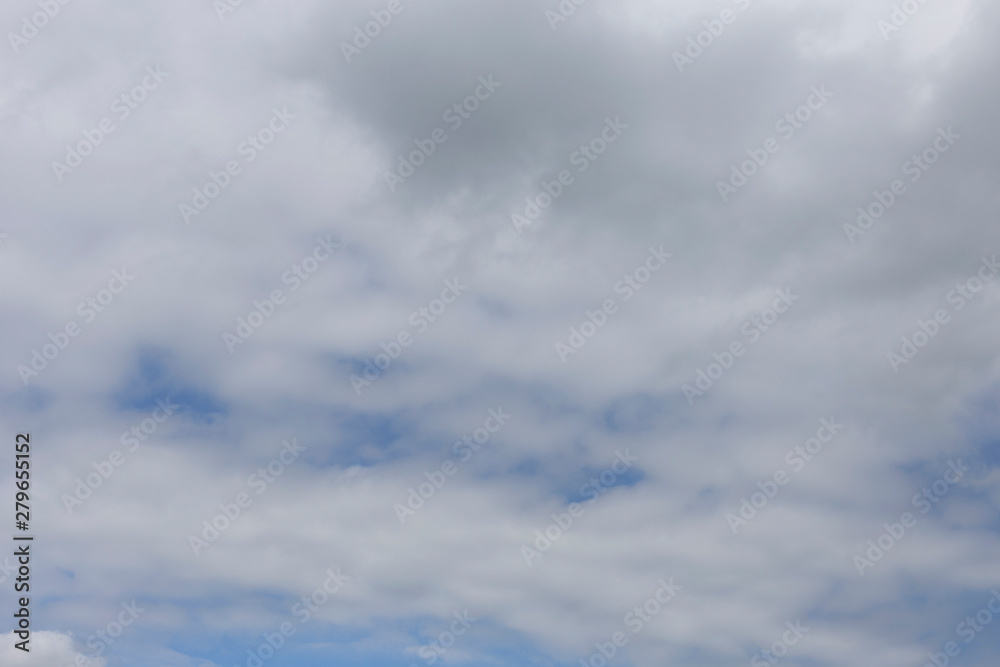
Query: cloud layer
x=335 y=324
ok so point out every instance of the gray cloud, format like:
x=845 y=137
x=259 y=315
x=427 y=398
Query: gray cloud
x=656 y=185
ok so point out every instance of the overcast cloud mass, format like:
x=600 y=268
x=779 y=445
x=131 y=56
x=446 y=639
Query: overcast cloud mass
x=502 y=332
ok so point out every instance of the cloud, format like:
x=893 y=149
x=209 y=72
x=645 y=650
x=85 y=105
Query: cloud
x=47 y=649
x=120 y=300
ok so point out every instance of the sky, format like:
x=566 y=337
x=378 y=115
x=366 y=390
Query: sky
x=502 y=333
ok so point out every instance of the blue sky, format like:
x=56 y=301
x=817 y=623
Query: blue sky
x=618 y=355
